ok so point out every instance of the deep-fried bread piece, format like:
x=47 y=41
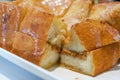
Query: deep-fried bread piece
x=93 y=62
x=89 y=35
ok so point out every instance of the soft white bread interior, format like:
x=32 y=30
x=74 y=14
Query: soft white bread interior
x=73 y=43
x=93 y=62
x=76 y=62
x=57 y=32
x=50 y=57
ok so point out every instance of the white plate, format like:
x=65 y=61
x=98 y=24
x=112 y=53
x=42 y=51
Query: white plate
x=13 y=67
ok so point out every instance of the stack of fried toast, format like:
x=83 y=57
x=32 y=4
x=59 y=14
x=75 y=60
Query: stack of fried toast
x=84 y=36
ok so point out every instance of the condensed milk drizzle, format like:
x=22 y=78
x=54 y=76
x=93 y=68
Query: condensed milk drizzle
x=37 y=51
x=9 y=10
x=115 y=35
x=114 y=56
x=4 y=25
x=35 y=40
x=97 y=34
x=18 y=19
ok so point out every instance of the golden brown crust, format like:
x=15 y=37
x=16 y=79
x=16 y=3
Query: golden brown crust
x=104 y=58
x=94 y=34
x=34 y=58
x=36 y=23
x=23 y=42
x=28 y=55
x=24 y=46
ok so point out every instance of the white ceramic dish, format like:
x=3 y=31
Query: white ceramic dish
x=13 y=67
x=20 y=68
